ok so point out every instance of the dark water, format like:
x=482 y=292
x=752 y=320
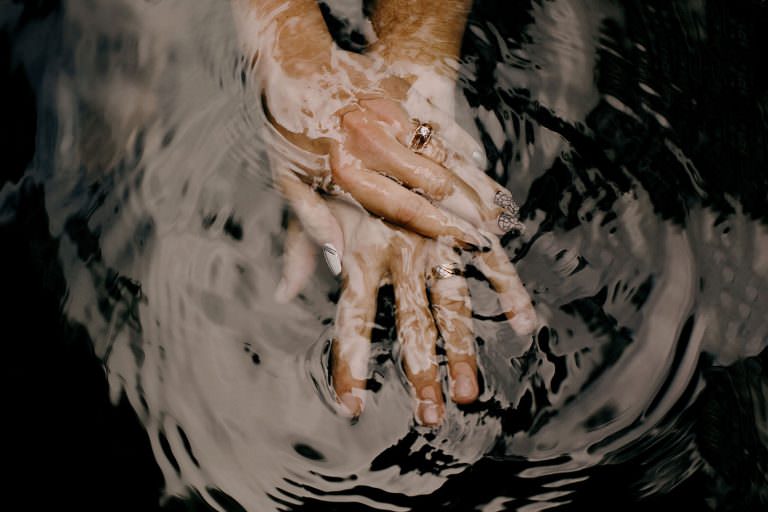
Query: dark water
x=149 y=367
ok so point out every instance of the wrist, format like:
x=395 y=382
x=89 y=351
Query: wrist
x=289 y=33
x=404 y=59
x=424 y=32
x=302 y=44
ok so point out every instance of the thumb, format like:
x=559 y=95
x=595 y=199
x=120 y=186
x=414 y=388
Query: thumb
x=316 y=219
x=298 y=262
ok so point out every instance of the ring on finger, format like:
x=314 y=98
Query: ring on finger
x=510 y=218
x=508 y=222
x=506 y=201
x=421 y=136
x=446 y=270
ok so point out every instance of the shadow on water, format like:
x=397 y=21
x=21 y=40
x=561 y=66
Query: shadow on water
x=149 y=367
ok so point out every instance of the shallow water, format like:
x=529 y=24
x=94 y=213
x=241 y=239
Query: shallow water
x=646 y=253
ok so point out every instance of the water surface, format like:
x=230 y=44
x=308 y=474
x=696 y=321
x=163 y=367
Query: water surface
x=646 y=253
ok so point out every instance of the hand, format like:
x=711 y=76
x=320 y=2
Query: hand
x=369 y=250
x=376 y=252
x=346 y=115
x=343 y=111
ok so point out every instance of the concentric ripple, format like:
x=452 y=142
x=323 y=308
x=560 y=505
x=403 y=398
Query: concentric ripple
x=171 y=239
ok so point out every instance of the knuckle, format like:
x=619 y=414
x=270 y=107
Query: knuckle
x=340 y=176
x=353 y=120
x=343 y=175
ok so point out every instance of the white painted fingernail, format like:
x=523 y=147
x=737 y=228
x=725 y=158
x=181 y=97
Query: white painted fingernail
x=332 y=259
x=479 y=159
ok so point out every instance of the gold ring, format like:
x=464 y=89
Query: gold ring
x=422 y=134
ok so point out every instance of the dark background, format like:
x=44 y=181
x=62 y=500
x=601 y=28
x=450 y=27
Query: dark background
x=67 y=447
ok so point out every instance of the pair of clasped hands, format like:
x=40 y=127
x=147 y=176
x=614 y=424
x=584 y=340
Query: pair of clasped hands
x=384 y=196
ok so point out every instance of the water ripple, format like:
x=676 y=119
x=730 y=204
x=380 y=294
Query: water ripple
x=171 y=234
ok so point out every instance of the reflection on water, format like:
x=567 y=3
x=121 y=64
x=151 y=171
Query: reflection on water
x=645 y=270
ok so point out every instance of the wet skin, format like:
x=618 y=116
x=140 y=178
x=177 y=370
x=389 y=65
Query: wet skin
x=387 y=213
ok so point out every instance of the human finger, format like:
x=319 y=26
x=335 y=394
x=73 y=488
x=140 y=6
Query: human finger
x=316 y=218
x=453 y=314
x=451 y=141
x=368 y=140
x=513 y=297
x=385 y=198
x=474 y=195
x=457 y=138
x=493 y=208
x=299 y=262
x=355 y=314
x=416 y=329
x=381 y=152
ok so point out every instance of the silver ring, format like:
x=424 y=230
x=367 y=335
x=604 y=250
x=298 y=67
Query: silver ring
x=508 y=222
x=509 y=219
x=507 y=202
x=421 y=136
x=446 y=270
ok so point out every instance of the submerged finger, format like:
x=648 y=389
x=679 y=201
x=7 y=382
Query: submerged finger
x=495 y=204
x=316 y=218
x=453 y=314
x=380 y=151
x=299 y=261
x=513 y=297
x=355 y=315
x=474 y=195
x=385 y=198
x=368 y=140
x=416 y=331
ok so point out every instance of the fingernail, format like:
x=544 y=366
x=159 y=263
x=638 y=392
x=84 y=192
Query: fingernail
x=464 y=388
x=479 y=159
x=332 y=259
x=281 y=292
x=429 y=412
x=352 y=403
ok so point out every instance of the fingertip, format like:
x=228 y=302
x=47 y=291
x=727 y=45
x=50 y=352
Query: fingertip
x=464 y=386
x=525 y=322
x=430 y=408
x=429 y=413
x=465 y=390
x=352 y=404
